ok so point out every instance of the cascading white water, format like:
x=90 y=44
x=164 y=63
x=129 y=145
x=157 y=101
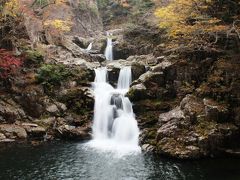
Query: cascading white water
x=115 y=127
x=89 y=46
x=125 y=78
x=109 y=49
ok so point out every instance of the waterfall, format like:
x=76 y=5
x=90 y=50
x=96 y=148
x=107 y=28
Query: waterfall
x=114 y=127
x=89 y=47
x=109 y=49
x=125 y=78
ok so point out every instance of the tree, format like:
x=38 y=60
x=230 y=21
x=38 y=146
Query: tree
x=192 y=22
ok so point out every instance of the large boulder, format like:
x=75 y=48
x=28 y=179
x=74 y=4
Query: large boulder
x=12 y=131
x=74 y=133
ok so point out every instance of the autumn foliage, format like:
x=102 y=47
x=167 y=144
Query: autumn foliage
x=9 y=64
x=197 y=23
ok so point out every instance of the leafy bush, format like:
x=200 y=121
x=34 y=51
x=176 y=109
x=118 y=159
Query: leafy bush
x=50 y=74
x=9 y=64
x=33 y=57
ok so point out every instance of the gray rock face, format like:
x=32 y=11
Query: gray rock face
x=10 y=111
x=186 y=131
x=146 y=60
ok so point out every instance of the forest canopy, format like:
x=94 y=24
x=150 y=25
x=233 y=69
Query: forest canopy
x=196 y=21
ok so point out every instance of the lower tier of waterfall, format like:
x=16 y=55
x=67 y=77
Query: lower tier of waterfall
x=114 y=127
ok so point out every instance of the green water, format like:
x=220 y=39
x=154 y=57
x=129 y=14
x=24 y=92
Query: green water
x=64 y=160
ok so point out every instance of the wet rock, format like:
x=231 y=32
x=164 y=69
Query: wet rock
x=148 y=148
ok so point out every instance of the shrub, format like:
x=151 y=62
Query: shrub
x=33 y=57
x=9 y=64
x=53 y=74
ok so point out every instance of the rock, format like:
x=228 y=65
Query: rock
x=98 y=58
x=33 y=130
x=192 y=107
x=237 y=116
x=31 y=101
x=47 y=122
x=2 y=137
x=146 y=60
x=52 y=109
x=72 y=47
x=79 y=100
x=151 y=78
x=81 y=42
x=186 y=132
x=82 y=63
x=74 y=133
x=10 y=111
x=137 y=70
x=215 y=111
x=62 y=107
x=7 y=140
x=115 y=66
x=162 y=66
x=137 y=92
x=148 y=148
x=12 y=131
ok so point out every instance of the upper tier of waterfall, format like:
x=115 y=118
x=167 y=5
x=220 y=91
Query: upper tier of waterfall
x=109 y=49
